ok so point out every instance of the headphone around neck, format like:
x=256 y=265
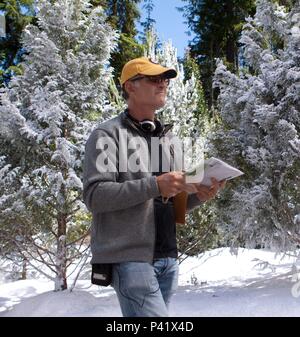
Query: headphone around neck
x=146 y=125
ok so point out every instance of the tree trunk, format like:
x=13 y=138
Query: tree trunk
x=212 y=70
x=231 y=51
x=61 y=254
x=230 y=40
x=24 y=269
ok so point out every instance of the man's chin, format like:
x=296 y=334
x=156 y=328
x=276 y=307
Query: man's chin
x=160 y=104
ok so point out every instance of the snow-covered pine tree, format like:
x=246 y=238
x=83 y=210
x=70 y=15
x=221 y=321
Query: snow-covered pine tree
x=182 y=100
x=186 y=109
x=44 y=123
x=260 y=109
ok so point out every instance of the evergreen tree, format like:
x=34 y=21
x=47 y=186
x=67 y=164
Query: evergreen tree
x=217 y=26
x=149 y=23
x=182 y=99
x=191 y=69
x=122 y=16
x=186 y=109
x=17 y=15
x=44 y=123
x=261 y=132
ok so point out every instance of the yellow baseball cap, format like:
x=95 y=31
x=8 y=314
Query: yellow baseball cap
x=144 y=66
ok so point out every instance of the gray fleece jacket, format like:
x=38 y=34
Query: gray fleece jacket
x=121 y=202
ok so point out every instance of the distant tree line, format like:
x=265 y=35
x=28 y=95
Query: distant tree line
x=217 y=27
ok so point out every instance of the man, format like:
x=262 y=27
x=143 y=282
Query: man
x=134 y=226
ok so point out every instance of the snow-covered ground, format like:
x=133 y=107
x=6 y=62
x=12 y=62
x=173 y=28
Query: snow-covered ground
x=217 y=283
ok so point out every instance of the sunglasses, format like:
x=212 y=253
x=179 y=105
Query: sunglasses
x=153 y=79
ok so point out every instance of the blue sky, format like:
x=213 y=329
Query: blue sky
x=170 y=23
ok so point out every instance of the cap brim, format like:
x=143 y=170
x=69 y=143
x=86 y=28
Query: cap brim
x=153 y=71
x=171 y=73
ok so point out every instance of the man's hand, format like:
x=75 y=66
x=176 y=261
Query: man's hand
x=171 y=183
x=209 y=192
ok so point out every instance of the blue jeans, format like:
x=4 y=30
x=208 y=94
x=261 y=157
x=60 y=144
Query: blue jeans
x=145 y=289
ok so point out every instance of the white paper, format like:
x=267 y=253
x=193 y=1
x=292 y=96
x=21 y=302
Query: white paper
x=211 y=168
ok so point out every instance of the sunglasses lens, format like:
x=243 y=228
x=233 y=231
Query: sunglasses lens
x=159 y=80
x=153 y=79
